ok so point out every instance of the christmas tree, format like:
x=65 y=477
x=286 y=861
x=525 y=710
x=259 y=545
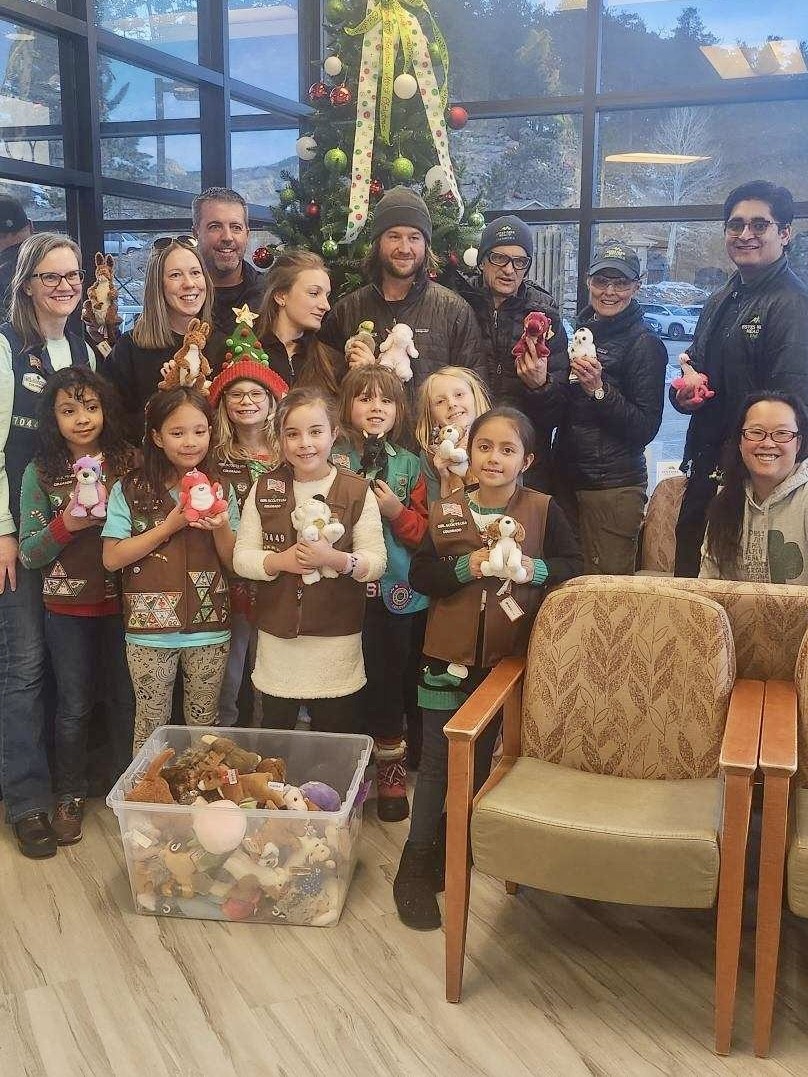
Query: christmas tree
x=380 y=119
x=243 y=343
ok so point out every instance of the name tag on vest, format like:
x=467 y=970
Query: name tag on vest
x=33 y=382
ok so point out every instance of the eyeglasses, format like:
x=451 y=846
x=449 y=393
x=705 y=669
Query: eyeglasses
x=53 y=280
x=256 y=395
x=520 y=262
x=758 y=226
x=620 y=284
x=162 y=242
x=779 y=437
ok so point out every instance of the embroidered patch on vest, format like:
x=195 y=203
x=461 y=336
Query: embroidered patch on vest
x=203 y=582
x=154 y=609
x=452 y=509
x=57 y=583
x=24 y=422
x=278 y=485
x=341 y=459
x=35 y=383
x=400 y=596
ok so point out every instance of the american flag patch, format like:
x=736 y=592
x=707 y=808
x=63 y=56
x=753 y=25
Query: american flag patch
x=452 y=509
x=278 y=485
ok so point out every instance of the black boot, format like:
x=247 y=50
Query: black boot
x=440 y=856
x=414 y=888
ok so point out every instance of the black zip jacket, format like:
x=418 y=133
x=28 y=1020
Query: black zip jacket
x=600 y=444
x=135 y=372
x=295 y=371
x=764 y=346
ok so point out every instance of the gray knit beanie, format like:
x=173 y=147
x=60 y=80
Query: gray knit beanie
x=507 y=231
x=401 y=207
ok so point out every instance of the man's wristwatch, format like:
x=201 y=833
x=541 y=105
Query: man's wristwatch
x=599 y=394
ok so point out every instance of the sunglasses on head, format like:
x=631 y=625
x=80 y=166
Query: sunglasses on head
x=162 y=242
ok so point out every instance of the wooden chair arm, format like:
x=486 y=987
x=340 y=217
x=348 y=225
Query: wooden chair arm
x=739 y=747
x=778 y=740
x=469 y=721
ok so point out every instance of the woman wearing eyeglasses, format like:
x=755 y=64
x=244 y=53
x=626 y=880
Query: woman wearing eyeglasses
x=607 y=416
x=177 y=289
x=757 y=524
x=45 y=291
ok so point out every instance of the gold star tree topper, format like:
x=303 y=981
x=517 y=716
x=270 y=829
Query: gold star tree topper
x=244 y=316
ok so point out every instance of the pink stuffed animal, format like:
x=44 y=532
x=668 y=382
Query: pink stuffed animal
x=690 y=377
x=537 y=326
x=90 y=495
x=199 y=497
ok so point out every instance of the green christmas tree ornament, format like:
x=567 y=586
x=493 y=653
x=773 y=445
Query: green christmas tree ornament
x=287 y=196
x=476 y=219
x=336 y=161
x=336 y=10
x=402 y=169
x=330 y=248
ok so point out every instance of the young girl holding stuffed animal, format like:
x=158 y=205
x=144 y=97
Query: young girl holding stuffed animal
x=244 y=396
x=79 y=455
x=172 y=534
x=311 y=594
x=474 y=621
x=373 y=412
x=451 y=397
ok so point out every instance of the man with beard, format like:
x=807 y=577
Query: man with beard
x=222 y=231
x=752 y=335
x=444 y=328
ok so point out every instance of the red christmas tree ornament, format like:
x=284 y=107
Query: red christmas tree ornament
x=318 y=92
x=448 y=199
x=456 y=117
x=263 y=257
x=312 y=211
x=376 y=188
x=453 y=259
x=341 y=95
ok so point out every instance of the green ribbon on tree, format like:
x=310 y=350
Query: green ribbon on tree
x=387 y=24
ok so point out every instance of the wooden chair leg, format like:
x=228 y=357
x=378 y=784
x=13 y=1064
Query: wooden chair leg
x=511 y=887
x=734 y=834
x=773 y=839
x=458 y=863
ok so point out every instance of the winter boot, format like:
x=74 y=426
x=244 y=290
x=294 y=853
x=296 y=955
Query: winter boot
x=391 y=780
x=414 y=888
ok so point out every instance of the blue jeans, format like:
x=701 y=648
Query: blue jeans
x=24 y=775
x=86 y=651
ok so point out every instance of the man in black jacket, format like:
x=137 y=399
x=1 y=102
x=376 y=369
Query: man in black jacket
x=15 y=228
x=501 y=300
x=608 y=416
x=444 y=327
x=752 y=334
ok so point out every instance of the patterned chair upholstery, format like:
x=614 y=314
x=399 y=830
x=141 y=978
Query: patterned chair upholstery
x=629 y=752
x=658 y=535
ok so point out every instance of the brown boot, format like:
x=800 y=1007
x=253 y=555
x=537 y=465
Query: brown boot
x=391 y=780
x=67 y=820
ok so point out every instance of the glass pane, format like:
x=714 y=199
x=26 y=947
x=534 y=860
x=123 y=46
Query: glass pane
x=161 y=160
x=169 y=25
x=275 y=150
x=687 y=156
x=126 y=209
x=521 y=163
x=241 y=108
x=29 y=94
x=133 y=93
x=555 y=266
x=263 y=44
x=39 y=202
x=655 y=43
x=512 y=48
x=798 y=252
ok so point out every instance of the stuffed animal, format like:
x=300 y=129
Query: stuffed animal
x=373 y=464
x=395 y=352
x=151 y=788
x=189 y=365
x=326 y=798
x=272 y=880
x=101 y=305
x=582 y=346
x=364 y=334
x=503 y=536
x=235 y=787
x=538 y=328
x=219 y=827
x=313 y=850
x=232 y=754
x=243 y=899
x=90 y=495
x=274 y=768
x=450 y=449
x=692 y=378
x=313 y=520
x=199 y=498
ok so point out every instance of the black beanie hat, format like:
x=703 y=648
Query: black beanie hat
x=401 y=207
x=507 y=231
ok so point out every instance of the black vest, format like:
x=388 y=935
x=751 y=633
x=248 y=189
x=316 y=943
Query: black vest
x=31 y=367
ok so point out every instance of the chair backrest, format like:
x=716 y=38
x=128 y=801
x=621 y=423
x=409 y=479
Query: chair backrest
x=658 y=539
x=628 y=679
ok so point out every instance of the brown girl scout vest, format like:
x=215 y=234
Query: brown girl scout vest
x=453 y=623
x=287 y=607
x=238 y=474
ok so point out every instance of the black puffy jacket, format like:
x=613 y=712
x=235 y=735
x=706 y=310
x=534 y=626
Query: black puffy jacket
x=764 y=346
x=600 y=444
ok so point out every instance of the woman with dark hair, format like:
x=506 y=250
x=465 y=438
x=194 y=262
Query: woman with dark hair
x=757 y=527
x=295 y=303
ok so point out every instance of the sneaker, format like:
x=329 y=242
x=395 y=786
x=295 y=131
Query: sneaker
x=67 y=820
x=414 y=888
x=391 y=781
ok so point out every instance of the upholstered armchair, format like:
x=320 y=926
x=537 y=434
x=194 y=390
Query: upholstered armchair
x=629 y=752
x=658 y=535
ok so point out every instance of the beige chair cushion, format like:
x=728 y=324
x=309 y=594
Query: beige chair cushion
x=797 y=885
x=659 y=529
x=629 y=677
x=600 y=837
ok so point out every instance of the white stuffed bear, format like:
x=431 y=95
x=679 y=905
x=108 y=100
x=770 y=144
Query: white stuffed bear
x=582 y=346
x=395 y=352
x=449 y=449
x=312 y=520
x=503 y=536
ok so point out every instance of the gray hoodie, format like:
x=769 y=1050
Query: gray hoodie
x=774 y=539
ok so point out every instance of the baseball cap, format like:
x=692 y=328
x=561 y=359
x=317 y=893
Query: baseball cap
x=619 y=257
x=12 y=215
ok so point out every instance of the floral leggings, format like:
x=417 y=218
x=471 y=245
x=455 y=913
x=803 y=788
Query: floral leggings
x=153 y=671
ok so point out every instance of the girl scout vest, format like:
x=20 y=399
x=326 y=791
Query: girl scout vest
x=31 y=367
x=403 y=471
x=453 y=623
x=286 y=607
x=180 y=586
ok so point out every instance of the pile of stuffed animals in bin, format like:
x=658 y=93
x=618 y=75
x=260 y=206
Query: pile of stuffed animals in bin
x=217 y=861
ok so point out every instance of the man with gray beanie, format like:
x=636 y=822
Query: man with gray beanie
x=501 y=298
x=400 y=290
x=14 y=229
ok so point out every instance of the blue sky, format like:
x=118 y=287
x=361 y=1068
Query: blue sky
x=749 y=20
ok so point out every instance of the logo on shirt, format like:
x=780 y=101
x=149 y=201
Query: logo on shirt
x=35 y=383
x=752 y=328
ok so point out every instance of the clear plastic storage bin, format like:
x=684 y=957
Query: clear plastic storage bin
x=290 y=867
